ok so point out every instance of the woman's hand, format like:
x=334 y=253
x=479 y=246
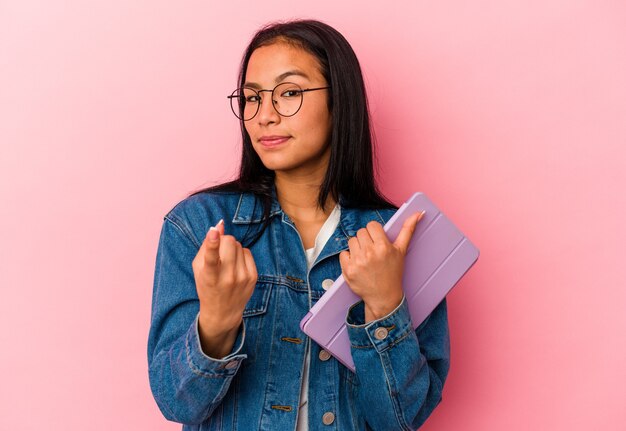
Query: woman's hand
x=225 y=275
x=374 y=266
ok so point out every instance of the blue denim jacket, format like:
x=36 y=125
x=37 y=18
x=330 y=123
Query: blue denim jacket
x=399 y=379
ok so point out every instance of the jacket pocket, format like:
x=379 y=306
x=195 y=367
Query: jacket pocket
x=254 y=316
x=259 y=300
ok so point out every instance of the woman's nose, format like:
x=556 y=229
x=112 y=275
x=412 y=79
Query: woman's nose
x=267 y=114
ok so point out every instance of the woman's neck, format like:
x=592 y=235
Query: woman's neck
x=298 y=197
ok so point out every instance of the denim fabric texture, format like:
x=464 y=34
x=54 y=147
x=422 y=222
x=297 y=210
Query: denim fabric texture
x=398 y=380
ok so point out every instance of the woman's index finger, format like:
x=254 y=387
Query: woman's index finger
x=406 y=233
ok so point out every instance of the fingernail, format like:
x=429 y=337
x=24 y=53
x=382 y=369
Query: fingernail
x=421 y=215
x=220 y=222
x=213 y=234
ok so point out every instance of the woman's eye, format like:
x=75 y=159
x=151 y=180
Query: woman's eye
x=290 y=93
x=253 y=99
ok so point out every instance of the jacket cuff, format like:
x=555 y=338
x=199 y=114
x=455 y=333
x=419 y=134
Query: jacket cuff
x=382 y=333
x=203 y=364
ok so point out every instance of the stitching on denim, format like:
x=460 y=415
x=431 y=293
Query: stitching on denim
x=402 y=337
x=283 y=281
x=183 y=229
x=263 y=278
x=384 y=360
x=356 y=346
x=292 y=340
x=333 y=400
x=306 y=349
x=236 y=217
x=391 y=344
x=265 y=299
x=259 y=220
x=397 y=340
x=283 y=408
x=382 y=220
x=194 y=368
x=297 y=280
x=279 y=280
x=343 y=229
x=270 y=355
x=236 y=389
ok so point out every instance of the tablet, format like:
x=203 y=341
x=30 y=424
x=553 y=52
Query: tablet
x=437 y=257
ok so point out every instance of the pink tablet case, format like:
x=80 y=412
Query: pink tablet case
x=438 y=256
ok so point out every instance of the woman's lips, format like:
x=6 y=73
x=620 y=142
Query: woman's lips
x=273 y=141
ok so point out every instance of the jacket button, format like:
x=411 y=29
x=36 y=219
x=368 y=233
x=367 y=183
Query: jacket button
x=381 y=333
x=324 y=355
x=327 y=283
x=328 y=418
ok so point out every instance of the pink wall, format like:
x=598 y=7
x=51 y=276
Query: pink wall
x=514 y=113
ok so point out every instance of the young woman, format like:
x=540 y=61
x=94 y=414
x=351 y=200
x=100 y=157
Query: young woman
x=240 y=264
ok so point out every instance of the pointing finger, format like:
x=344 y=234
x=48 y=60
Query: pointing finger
x=212 y=247
x=220 y=226
x=406 y=233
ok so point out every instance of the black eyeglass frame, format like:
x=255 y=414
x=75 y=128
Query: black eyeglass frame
x=258 y=106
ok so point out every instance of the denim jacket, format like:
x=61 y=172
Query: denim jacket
x=398 y=380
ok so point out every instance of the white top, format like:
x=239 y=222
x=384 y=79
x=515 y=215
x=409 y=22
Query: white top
x=322 y=237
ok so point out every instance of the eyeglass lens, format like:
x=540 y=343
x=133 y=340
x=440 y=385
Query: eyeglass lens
x=286 y=97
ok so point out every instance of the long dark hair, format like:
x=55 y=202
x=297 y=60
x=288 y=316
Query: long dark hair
x=350 y=177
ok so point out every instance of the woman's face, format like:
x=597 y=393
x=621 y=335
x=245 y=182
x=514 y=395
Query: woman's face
x=298 y=144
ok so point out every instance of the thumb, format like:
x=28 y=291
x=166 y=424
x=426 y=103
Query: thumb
x=406 y=233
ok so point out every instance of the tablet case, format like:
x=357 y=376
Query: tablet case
x=437 y=257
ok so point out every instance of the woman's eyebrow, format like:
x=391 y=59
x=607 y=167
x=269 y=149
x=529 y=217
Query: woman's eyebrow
x=282 y=76
x=279 y=78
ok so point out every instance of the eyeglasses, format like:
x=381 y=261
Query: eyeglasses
x=286 y=97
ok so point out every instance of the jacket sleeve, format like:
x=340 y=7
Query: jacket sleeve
x=400 y=371
x=186 y=383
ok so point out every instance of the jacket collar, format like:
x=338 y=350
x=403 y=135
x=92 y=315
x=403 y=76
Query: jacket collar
x=250 y=210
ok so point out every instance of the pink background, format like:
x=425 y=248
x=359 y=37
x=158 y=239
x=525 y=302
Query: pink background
x=511 y=115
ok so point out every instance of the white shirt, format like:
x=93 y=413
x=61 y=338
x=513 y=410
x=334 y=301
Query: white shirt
x=322 y=237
